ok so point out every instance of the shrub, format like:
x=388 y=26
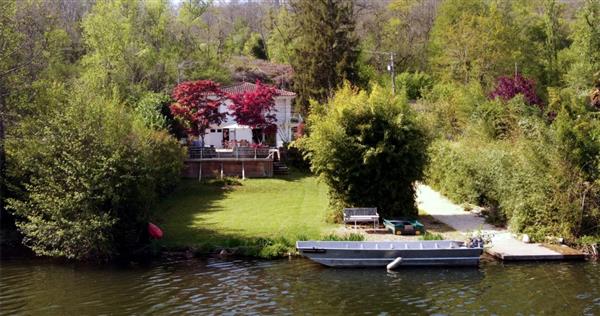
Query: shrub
x=430 y=236
x=446 y=109
x=84 y=179
x=349 y=237
x=368 y=149
x=526 y=178
x=509 y=87
x=149 y=110
x=414 y=84
x=293 y=157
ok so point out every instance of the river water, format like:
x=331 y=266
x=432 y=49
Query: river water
x=296 y=286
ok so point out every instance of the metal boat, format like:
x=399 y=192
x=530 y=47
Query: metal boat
x=391 y=253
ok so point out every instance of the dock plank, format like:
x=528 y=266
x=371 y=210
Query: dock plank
x=505 y=247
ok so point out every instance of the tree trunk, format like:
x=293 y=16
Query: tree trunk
x=2 y=158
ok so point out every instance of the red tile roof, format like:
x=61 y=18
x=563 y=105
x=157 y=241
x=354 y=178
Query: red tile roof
x=247 y=86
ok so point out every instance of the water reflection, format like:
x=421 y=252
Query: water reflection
x=297 y=286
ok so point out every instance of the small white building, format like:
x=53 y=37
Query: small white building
x=229 y=130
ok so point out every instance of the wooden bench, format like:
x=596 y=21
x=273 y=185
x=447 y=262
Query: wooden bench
x=361 y=214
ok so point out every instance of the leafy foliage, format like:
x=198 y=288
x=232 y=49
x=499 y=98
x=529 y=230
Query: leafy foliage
x=476 y=41
x=368 y=149
x=508 y=87
x=256 y=108
x=255 y=46
x=326 y=51
x=282 y=37
x=197 y=105
x=414 y=84
x=88 y=179
x=584 y=53
x=149 y=109
x=535 y=176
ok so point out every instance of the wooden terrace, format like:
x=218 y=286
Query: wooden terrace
x=209 y=162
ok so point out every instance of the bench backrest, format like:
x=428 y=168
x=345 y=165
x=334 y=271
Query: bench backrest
x=360 y=211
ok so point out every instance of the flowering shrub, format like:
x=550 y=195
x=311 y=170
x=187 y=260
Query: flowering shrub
x=508 y=87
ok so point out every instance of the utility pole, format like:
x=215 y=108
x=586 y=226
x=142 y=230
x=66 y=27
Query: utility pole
x=392 y=70
x=390 y=67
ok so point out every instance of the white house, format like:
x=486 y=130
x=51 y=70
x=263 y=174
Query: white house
x=229 y=130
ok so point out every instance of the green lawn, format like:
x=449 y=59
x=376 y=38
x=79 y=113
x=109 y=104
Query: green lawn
x=206 y=215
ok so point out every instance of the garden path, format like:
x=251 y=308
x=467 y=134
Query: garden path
x=442 y=209
x=503 y=244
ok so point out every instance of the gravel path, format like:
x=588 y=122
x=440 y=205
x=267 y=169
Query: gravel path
x=453 y=222
x=442 y=209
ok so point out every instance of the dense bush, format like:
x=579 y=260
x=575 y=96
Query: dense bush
x=526 y=182
x=414 y=84
x=149 y=110
x=540 y=177
x=85 y=179
x=446 y=108
x=368 y=149
x=509 y=87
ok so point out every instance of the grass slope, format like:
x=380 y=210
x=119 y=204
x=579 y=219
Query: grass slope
x=260 y=211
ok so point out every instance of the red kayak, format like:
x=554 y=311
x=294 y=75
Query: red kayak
x=154 y=231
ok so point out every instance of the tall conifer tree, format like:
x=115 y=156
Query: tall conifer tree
x=326 y=53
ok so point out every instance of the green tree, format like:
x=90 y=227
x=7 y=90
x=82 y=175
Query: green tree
x=282 y=36
x=476 y=41
x=9 y=47
x=368 y=149
x=255 y=47
x=584 y=53
x=200 y=55
x=407 y=31
x=130 y=48
x=553 y=41
x=326 y=53
x=87 y=177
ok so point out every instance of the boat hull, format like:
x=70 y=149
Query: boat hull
x=380 y=254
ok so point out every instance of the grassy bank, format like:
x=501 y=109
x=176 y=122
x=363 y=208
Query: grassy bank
x=262 y=217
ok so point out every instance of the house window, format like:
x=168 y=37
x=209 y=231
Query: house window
x=212 y=130
x=219 y=131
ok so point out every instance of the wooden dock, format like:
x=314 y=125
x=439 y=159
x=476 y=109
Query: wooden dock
x=503 y=245
x=507 y=248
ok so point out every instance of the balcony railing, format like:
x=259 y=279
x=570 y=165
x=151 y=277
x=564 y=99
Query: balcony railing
x=196 y=152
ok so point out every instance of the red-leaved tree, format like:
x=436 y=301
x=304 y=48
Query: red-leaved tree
x=508 y=87
x=255 y=109
x=197 y=105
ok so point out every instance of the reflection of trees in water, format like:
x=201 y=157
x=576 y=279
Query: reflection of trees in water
x=298 y=287
x=538 y=287
x=554 y=288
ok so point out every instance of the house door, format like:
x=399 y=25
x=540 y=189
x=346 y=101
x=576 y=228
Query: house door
x=271 y=136
x=257 y=136
x=225 y=137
